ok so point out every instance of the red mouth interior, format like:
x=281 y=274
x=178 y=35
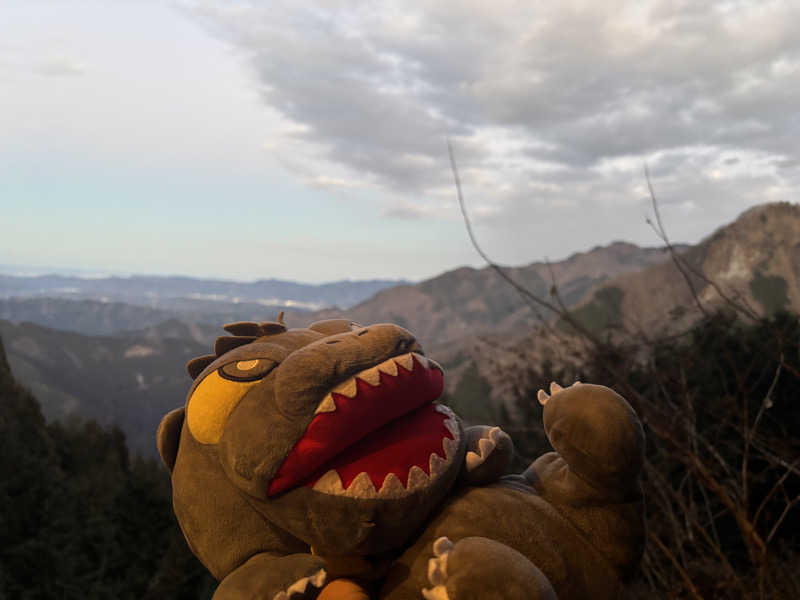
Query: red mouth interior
x=379 y=431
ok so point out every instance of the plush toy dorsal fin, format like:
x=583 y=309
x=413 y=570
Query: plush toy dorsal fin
x=227 y=343
x=169 y=435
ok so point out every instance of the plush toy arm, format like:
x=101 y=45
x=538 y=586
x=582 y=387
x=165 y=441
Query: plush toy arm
x=489 y=453
x=292 y=577
x=597 y=433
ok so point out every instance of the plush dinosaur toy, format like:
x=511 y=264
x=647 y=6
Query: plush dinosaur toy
x=316 y=463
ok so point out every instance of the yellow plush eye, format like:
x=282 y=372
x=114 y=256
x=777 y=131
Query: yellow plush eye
x=247 y=370
x=211 y=403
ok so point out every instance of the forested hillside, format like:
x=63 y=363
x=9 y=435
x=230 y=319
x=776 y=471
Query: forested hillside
x=79 y=517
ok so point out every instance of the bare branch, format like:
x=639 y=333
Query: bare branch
x=661 y=232
x=681 y=571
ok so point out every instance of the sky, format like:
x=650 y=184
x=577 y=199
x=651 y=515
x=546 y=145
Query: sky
x=308 y=140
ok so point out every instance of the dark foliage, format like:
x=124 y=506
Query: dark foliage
x=81 y=519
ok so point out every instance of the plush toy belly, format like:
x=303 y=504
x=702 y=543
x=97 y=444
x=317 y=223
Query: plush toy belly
x=377 y=434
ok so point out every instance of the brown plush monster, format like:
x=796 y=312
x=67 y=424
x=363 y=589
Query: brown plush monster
x=316 y=463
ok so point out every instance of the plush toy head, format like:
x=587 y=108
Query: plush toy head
x=330 y=433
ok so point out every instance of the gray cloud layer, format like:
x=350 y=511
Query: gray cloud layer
x=552 y=107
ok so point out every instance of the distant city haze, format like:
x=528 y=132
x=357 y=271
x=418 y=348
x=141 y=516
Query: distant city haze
x=307 y=141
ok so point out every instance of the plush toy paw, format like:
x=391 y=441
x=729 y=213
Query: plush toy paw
x=437 y=570
x=305 y=587
x=480 y=568
x=489 y=453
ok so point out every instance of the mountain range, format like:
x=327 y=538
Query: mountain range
x=470 y=301
x=128 y=365
x=187 y=295
x=755 y=260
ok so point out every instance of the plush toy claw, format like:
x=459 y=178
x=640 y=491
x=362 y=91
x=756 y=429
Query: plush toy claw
x=437 y=570
x=473 y=566
x=486 y=446
x=554 y=389
x=299 y=588
x=489 y=453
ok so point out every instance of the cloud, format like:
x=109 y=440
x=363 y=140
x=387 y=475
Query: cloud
x=60 y=66
x=554 y=105
x=323 y=181
x=406 y=212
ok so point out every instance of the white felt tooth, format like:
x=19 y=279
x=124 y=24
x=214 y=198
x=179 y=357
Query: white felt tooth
x=450 y=448
x=392 y=487
x=441 y=408
x=330 y=483
x=435 y=593
x=362 y=487
x=436 y=573
x=417 y=478
x=347 y=388
x=405 y=361
x=495 y=433
x=318 y=578
x=298 y=587
x=473 y=461
x=554 y=387
x=443 y=564
x=327 y=405
x=422 y=360
x=438 y=465
x=543 y=397
x=442 y=545
x=485 y=447
x=452 y=427
x=432 y=364
x=389 y=367
x=372 y=376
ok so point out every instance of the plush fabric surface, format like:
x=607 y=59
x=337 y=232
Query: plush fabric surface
x=316 y=462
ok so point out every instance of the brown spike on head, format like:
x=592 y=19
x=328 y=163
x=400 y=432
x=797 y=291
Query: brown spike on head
x=226 y=343
x=280 y=318
x=195 y=366
x=270 y=328
x=243 y=328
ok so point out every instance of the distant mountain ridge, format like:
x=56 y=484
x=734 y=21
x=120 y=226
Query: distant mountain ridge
x=468 y=301
x=755 y=260
x=163 y=292
x=109 y=305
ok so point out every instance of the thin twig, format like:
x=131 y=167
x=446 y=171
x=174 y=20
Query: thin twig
x=661 y=232
x=682 y=264
x=681 y=571
x=531 y=298
x=785 y=512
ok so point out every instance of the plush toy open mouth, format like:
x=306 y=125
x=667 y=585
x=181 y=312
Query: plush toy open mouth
x=376 y=435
